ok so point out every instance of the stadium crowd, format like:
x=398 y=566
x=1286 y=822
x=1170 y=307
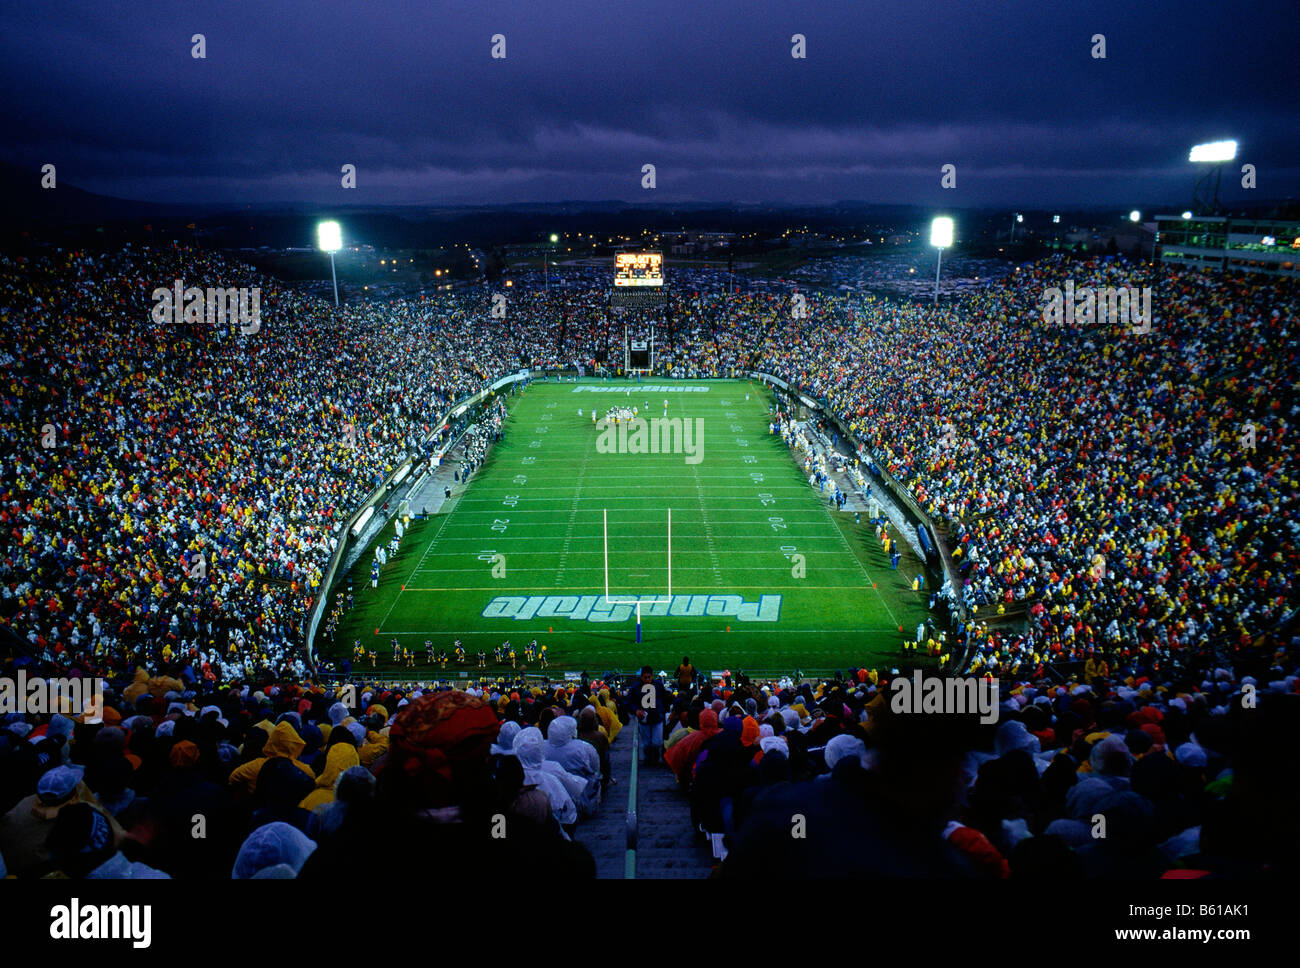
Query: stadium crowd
x=1131 y=775
x=179 y=489
x=293 y=779
x=174 y=494
x=287 y=780
x=1137 y=492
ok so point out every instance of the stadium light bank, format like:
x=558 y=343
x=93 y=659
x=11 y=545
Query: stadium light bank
x=330 y=239
x=940 y=238
x=1210 y=153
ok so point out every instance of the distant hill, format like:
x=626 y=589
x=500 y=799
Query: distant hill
x=23 y=199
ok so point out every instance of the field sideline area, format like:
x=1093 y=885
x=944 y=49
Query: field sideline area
x=518 y=553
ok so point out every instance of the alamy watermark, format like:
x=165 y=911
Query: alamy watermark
x=75 y=921
x=37 y=696
x=213 y=306
x=1088 y=306
x=658 y=435
x=934 y=694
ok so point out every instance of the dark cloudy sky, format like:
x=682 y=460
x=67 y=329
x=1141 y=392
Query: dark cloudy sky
x=706 y=90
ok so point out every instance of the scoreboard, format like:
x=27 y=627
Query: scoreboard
x=639 y=269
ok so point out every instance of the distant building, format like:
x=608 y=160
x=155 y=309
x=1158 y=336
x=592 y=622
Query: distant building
x=690 y=243
x=1267 y=246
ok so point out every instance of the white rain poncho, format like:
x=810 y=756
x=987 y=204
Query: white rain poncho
x=272 y=844
x=577 y=758
x=844 y=746
x=505 y=743
x=530 y=747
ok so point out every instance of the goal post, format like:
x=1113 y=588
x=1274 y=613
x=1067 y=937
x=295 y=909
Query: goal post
x=638 y=601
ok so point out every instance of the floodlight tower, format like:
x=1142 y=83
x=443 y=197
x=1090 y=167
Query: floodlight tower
x=330 y=239
x=1211 y=153
x=546 y=276
x=940 y=238
x=1135 y=217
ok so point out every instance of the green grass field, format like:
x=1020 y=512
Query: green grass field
x=519 y=553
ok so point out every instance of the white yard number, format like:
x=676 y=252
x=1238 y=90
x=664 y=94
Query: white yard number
x=756 y=477
x=749 y=459
x=742 y=442
x=731 y=415
x=541 y=430
x=788 y=550
x=511 y=500
x=520 y=479
x=547 y=416
x=767 y=499
x=529 y=460
x=487 y=555
x=535 y=443
x=778 y=524
x=736 y=428
x=499 y=524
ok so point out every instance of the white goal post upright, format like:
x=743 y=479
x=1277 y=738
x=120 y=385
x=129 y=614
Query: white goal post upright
x=604 y=516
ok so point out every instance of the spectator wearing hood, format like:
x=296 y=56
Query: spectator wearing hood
x=281 y=787
x=590 y=732
x=1128 y=850
x=282 y=743
x=167 y=828
x=82 y=844
x=271 y=846
x=1110 y=760
x=341 y=756
x=530 y=748
x=110 y=777
x=685 y=721
x=25 y=829
x=607 y=710
x=438 y=800
x=724 y=769
x=354 y=787
x=505 y=741
x=841 y=747
x=1075 y=828
x=681 y=756
x=886 y=822
x=773 y=774
x=577 y=759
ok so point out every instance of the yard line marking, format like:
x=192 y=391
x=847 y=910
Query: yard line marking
x=708 y=530
x=414 y=570
x=573 y=515
x=526 y=590
x=866 y=574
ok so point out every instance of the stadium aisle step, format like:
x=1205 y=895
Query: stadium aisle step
x=667 y=846
x=605 y=835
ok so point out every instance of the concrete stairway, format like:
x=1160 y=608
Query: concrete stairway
x=665 y=848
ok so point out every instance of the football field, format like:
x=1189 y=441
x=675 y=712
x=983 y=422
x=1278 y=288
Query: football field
x=562 y=530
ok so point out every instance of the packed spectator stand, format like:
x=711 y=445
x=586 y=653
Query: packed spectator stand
x=173 y=537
